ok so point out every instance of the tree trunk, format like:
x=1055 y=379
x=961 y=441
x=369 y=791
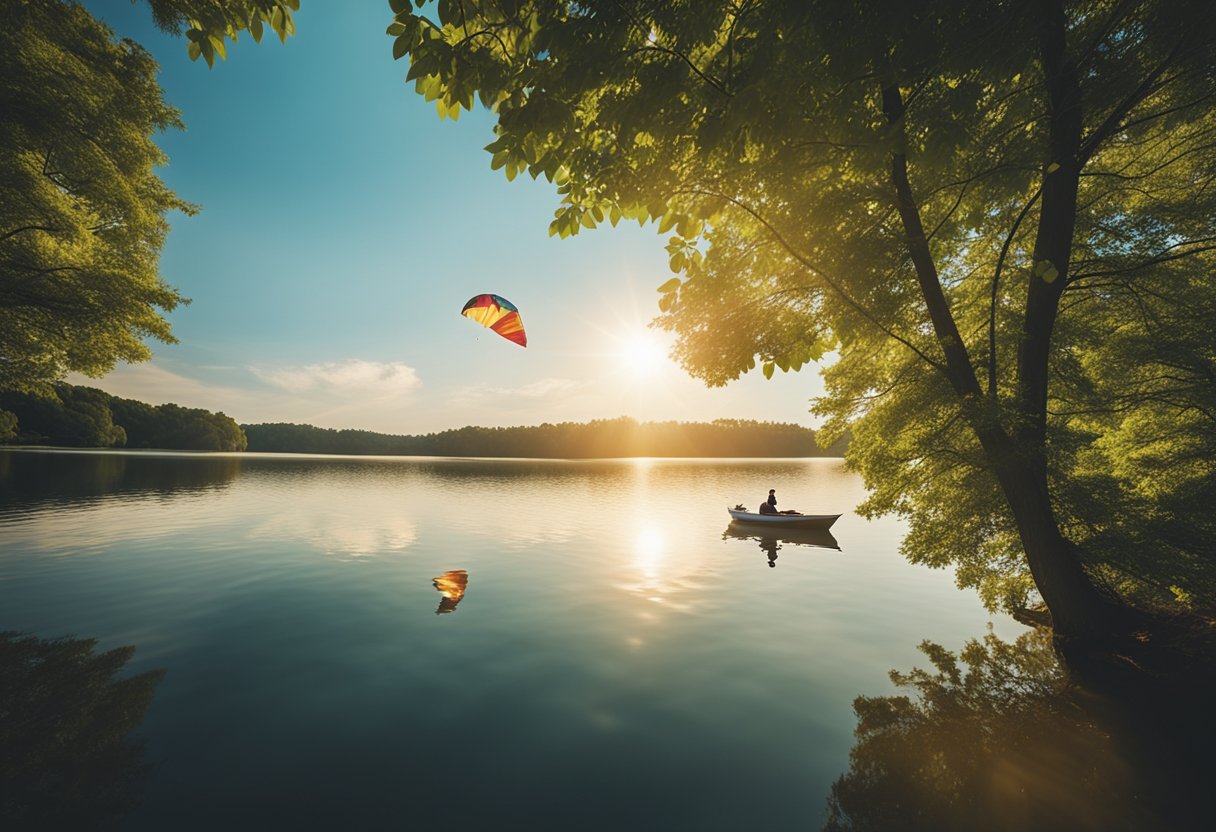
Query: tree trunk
x=1078 y=610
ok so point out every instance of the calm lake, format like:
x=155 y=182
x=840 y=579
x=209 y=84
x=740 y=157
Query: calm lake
x=354 y=643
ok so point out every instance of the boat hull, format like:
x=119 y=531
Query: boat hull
x=784 y=521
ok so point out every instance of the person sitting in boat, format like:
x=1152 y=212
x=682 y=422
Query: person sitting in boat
x=769 y=506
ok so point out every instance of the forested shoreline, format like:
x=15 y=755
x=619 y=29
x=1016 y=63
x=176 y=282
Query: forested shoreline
x=85 y=417
x=599 y=438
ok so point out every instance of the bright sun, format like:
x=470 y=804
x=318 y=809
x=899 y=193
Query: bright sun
x=642 y=356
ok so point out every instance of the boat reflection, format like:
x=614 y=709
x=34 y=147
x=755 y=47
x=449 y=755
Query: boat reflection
x=451 y=586
x=770 y=539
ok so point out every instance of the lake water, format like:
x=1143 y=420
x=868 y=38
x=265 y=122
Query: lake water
x=610 y=658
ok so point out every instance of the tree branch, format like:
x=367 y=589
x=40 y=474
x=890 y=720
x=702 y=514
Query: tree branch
x=24 y=228
x=959 y=370
x=655 y=46
x=1111 y=124
x=833 y=284
x=996 y=280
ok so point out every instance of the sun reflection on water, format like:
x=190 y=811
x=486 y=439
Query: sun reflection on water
x=649 y=550
x=660 y=572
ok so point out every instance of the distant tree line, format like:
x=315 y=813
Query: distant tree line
x=84 y=417
x=600 y=438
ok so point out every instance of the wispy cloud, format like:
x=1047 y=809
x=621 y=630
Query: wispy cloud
x=542 y=389
x=351 y=376
x=155 y=385
x=347 y=394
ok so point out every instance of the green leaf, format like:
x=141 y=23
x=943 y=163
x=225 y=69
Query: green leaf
x=670 y=286
x=396 y=28
x=676 y=262
x=193 y=50
x=400 y=47
x=398 y=6
x=255 y=28
x=767 y=369
x=1053 y=167
x=1046 y=270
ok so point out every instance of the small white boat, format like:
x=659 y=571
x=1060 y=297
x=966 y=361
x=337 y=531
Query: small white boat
x=793 y=521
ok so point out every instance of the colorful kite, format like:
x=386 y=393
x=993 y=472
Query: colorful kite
x=499 y=314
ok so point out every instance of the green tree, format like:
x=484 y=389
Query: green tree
x=964 y=197
x=77 y=417
x=209 y=24
x=8 y=425
x=82 y=212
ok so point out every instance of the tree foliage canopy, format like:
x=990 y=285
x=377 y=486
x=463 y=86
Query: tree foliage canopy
x=209 y=24
x=1001 y=214
x=82 y=211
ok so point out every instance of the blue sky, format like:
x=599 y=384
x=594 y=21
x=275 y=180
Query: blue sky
x=343 y=226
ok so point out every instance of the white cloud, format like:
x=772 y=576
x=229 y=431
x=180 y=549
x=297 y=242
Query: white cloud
x=351 y=376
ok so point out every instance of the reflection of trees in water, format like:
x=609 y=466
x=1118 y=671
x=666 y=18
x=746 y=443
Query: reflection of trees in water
x=34 y=477
x=66 y=758
x=998 y=738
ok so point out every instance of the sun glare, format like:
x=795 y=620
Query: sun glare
x=642 y=356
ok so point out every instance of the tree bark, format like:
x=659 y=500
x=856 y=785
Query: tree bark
x=1054 y=237
x=1077 y=608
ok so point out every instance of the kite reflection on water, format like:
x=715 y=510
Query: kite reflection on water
x=451 y=586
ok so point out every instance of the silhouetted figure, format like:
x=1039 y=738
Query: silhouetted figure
x=769 y=506
x=770 y=546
